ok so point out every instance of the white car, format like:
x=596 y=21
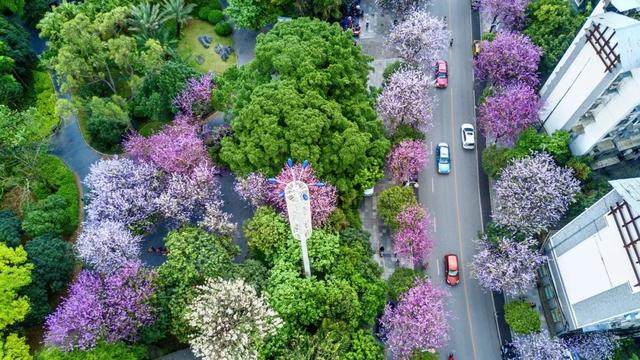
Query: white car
x=468 y=134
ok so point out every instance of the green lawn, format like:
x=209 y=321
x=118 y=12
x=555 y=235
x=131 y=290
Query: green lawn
x=189 y=47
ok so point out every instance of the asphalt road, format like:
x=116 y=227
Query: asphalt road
x=454 y=200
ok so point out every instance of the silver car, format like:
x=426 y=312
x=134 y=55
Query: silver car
x=468 y=134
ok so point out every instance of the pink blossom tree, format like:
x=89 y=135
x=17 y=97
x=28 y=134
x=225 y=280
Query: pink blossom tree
x=188 y=197
x=509 y=58
x=107 y=245
x=253 y=189
x=323 y=198
x=412 y=239
x=107 y=308
x=121 y=190
x=177 y=148
x=510 y=14
x=506 y=114
x=592 y=345
x=406 y=160
x=406 y=100
x=539 y=346
x=508 y=266
x=533 y=193
x=195 y=99
x=419 y=39
x=419 y=321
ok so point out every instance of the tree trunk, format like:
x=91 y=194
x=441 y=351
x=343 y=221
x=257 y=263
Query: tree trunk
x=178 y=29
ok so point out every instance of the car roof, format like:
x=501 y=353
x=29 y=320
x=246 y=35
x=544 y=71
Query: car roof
x=466 y=126
x=443 y=145
x=452 y=260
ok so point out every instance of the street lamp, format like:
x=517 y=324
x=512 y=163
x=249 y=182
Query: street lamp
x=298 y=200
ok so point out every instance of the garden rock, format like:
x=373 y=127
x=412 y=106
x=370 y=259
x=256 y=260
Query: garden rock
x=223 y=51
x=205 y=40
x=199 y=59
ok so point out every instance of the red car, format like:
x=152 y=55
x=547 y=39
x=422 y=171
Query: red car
x=442 y=74
x=451 y=269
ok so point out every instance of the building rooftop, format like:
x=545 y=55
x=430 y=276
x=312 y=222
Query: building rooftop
x=594 y=274
x=627 y=36
x=625 y=5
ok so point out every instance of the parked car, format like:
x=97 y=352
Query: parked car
x=451 y=269
x=475 y=48
x=468 y=134
x=443 y=158
x=442 y=74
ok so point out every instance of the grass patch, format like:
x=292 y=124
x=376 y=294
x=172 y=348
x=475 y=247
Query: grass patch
x=189 y=48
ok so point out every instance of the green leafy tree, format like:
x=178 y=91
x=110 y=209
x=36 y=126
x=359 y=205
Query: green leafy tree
x=10 y=231
x=102 y=351
x=250 y=14
x=10 y=88
x=34 y=10
x=14 y=347
x=402 y=280
x=194 y=255
x=46 y=216
x=15 y=274
x=305 y=96
x=521 y=318
x=556 y=144
x=392 y=201
x=177 y=11
x=108 y=121
x=53 y=260
x=552 y=25
x=18 y=48
x=266 y=234
x=154 y=99
x=15 y=6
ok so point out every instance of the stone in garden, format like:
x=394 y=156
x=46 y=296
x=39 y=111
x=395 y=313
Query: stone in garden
x=203 y=42
x=218 y=48
x=199 y=59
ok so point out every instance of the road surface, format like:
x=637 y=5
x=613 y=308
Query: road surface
x=454 y=200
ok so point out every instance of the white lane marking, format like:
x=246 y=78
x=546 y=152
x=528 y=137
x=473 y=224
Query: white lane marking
x=433 y=184
x=435 y=225
x=431 y=147
x=438 y=268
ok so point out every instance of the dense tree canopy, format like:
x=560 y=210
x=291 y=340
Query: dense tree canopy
x=552 y=25
x=108 y=121
x=53 y=261
x=305 y=97
x=15 y=273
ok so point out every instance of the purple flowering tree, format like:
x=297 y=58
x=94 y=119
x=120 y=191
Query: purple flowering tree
x=593 y=345
x=539 y=346
x=406 y=160
x=399 y=8
x=510 y=14
x=107 y=245
x=533 y=193
x=121 y=190
x=406 y=100
x=503 y=116
x=177 y=148
x=323 y=198
x=253 y=189
x=217 y=221
x=508 y=266
x=195 y=99
x=419 y=321
x=412 y=239
x=509 y=58
x=186 y=197
x=419 y=39
x=102 y=308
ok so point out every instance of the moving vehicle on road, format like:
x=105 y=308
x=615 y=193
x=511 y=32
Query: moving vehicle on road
x=442 y=74
x=468 y=134
x=443 y=158
x=451 y=269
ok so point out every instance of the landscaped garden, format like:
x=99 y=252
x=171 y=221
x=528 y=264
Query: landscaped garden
x=205 y=58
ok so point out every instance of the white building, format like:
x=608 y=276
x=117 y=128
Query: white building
x=592 y=279
x=594 y=91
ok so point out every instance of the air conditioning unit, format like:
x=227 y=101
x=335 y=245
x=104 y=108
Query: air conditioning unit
x=588 y=118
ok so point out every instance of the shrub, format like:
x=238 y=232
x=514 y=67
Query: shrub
x=9 y=228
x=494 y=159
x=390 y=70
x=406 y=132
x=266 y=233
x=53 y=261
x=401 y=280
x=223 y=29
x=211 y=15
x=56 y=178
x=38 y=303
x=107 y=123
x=521 y=318
x=392 y=201
x=102 y=351
x=47 y=216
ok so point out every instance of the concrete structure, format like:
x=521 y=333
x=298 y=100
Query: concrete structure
x=594 y=91
x=592 y=281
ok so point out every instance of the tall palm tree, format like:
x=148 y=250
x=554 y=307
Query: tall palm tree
x=145 y=19
x=178 y=11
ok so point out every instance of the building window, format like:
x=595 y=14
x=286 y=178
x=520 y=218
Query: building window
x=556 y=315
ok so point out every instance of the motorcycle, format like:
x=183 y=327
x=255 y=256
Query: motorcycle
x=451 y=357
